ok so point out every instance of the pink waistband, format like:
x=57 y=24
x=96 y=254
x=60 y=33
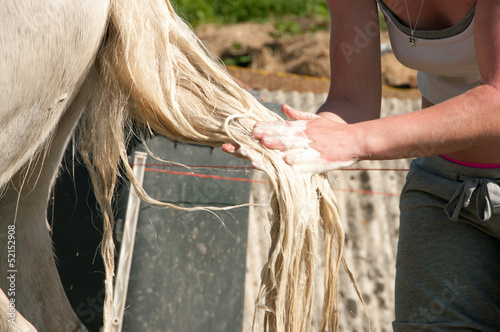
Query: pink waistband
x=475 y=165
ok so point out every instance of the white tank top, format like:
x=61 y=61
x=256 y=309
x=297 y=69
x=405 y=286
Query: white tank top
x=445 y=59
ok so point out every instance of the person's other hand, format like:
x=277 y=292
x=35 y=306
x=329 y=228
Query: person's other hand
x=243 y=152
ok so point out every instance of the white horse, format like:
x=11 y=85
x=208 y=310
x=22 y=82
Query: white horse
x=47 y=49
x=99 y=64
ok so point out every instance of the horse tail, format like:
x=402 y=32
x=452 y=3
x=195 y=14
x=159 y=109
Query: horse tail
x=154 y=71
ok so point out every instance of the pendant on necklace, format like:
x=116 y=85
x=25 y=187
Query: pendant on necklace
x=413 y=41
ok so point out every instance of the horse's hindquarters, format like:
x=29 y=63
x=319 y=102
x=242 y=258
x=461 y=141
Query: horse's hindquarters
x=46 y=48
x=46 y=51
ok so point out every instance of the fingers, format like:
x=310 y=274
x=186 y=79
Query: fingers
x=281 y=135
x=310 y=161
x=229 y=148
x=279 y=128
x=254 y=157
x=278 y=135
x=293 y=114
x=286 y=143
x=242 y=152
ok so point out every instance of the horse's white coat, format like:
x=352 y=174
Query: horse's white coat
x=47 y=49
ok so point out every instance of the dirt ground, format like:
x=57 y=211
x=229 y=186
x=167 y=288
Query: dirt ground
x=259 y=46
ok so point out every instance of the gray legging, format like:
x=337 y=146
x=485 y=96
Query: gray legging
x=448 y=263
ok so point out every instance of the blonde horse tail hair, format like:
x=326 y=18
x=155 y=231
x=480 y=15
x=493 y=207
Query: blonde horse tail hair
x=154 y=71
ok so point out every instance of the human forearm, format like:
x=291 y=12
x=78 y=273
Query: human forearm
x=355 y=83
x=348 y=112
x=459 y=123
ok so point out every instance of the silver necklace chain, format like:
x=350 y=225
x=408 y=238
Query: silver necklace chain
x=412 y=38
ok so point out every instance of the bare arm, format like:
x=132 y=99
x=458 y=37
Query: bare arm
x=462 y=122
x=355 y=71
x=355 y=89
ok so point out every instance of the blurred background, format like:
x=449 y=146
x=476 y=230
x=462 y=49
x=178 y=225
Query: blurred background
x=280 y=36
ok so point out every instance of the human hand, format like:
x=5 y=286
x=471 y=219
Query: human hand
x=244 y=153
x=311 y=143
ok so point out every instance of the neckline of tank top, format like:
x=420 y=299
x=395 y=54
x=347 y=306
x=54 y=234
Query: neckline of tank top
x=429 y=34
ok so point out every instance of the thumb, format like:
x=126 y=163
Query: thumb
x=293 y=114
